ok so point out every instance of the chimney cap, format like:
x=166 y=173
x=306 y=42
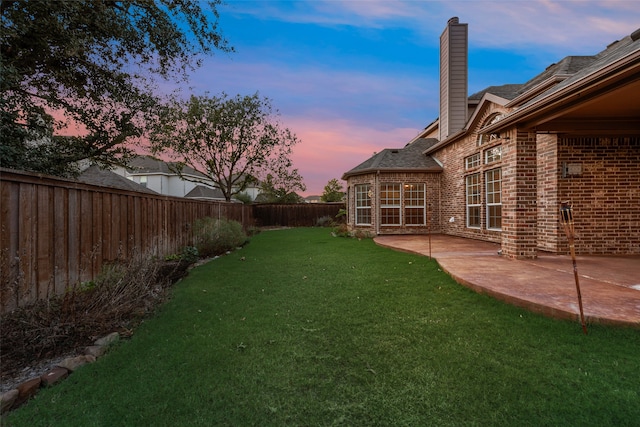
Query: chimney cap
x=454 y=20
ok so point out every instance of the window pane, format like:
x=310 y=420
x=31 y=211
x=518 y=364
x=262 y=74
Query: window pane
x=493 y=154
x=473 y=200
x=390 y=195
x=494 y=217
x=473 y=216
x=472 y=161
x=414 y=204
x=494 y=199
x=390 y=216
x=363 y=204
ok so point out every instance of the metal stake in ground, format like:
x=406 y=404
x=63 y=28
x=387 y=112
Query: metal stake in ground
x=566 y=218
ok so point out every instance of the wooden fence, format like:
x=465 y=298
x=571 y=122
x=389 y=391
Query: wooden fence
x=299 y=215
x=56 y=232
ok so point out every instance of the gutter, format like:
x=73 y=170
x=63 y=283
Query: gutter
x=378 y=170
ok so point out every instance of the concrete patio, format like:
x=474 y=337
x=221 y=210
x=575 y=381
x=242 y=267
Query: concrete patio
x=610 y=285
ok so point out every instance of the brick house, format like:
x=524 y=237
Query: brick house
x=496 y=165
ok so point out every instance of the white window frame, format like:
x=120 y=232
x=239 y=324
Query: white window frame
x=390 y=203
x=415 y=198
x=493 y=154
x=472 y=161
x=473 y=198
x=362 y=195
x=493 y=186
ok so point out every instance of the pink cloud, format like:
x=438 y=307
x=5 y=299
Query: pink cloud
x=330 y=147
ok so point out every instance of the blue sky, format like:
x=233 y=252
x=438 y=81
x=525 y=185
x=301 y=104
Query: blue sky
x=353 y=77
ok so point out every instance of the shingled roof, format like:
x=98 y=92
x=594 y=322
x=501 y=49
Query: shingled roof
x=508 y=91
x=409 y=158
x=95 y=176
x=614 y=52
x=148 y=165
x=202 y=192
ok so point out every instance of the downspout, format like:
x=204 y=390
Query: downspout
x=377 y=190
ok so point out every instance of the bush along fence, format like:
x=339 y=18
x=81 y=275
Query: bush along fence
x=55 y=233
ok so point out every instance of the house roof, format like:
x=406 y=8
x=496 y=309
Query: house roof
x=591 y=64
x=202 y=192
x=508 y=91
x=619 y=62
x=147 y=165
x=409 y=158
x=104 y=178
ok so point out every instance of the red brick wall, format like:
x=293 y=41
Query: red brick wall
x=519 y=195
x=606 y=196
x=432 y=181
x=549 y=230
x=453 y=200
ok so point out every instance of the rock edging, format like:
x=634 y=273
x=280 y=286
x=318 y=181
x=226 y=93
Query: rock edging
x=13 y=398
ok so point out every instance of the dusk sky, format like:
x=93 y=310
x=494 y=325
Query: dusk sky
x=353 y=77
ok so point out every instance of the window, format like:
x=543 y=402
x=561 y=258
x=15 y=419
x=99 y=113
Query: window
x=143 y=180
x=472 y=161
x=493 y=154
x=390 y=204
x=414 y=204
x=363 y=204
x=494 y=199
x=473 y=200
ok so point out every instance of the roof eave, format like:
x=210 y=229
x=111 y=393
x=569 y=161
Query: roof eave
x=450 y=139
x=537 y=89
x=580 y=87
x=430 y=169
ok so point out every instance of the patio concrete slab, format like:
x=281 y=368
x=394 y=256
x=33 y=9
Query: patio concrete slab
x=610 y=285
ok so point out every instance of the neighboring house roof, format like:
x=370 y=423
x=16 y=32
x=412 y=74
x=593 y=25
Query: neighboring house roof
x=409 y=158
x=311 y=199
x=202 y=192
x=147 y=165
x=95 y=176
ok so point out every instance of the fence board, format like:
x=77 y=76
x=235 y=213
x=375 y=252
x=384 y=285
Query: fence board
x=43 y=247
x=26 y=252
x=61 y=212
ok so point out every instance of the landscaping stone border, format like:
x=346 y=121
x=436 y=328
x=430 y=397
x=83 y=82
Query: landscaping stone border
x=13 y=398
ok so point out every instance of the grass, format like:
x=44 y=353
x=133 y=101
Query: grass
x=301 y=328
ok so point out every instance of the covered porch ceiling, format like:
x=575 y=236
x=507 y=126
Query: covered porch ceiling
x=602 y=111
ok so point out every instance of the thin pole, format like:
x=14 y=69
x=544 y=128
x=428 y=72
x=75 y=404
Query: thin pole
x=575 y=275
x=566 y=217
x=429 y=227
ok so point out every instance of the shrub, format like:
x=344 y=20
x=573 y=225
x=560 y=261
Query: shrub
x=217 y=236
x=324 y=221
x=342 y=230
x=190 y=254
x=116 y=300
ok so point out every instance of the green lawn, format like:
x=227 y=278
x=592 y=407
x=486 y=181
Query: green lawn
x=302 y=328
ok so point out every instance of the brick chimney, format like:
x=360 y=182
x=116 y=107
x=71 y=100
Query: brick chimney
x=453 y=78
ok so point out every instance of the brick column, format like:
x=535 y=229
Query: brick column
x=519 y=195
x=549 y=229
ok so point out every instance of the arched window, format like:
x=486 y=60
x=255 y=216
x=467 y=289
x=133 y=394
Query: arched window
x=484 y=138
